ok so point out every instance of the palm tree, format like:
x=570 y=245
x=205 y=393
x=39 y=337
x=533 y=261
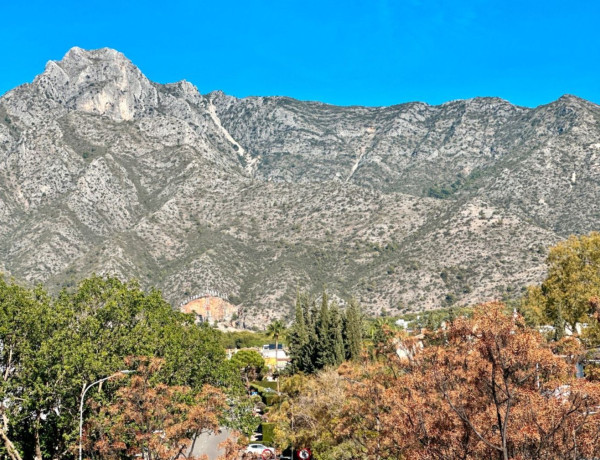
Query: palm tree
x=275 y=330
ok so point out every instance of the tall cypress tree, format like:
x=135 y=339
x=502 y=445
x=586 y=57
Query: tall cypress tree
x=336 y=334
x=312 y=313
x=353 y=331
x=322 y=337
x=299 y=336
x=324 y=355
x=311 y=348
x=300 y=316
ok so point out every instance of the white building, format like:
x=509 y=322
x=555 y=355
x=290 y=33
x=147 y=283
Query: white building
x=269 y=355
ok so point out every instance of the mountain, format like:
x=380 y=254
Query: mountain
x=406 y=207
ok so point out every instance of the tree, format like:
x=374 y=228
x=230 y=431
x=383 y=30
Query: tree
x=275 y=330
x=533 y=307
x=153 y=420
x=249 y=363
x=26 y=320
x=486 y=387
x=324 y=337
x=336 y=335
x=353 y=331
x=573 y=279
x=324 y=355
x=310 y=413
x=240 y=415
x=299 y=336
x=54 y=346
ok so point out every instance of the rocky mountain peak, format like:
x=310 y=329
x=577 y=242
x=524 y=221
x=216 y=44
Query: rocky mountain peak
x=569 y=103
x=99 y=81
x=571 y=99
x=405 y=207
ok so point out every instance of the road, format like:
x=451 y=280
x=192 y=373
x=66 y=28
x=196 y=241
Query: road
x=208 y=444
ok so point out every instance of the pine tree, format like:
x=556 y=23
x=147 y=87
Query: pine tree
x=353 y=331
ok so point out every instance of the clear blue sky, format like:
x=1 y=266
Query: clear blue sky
x=377 y=52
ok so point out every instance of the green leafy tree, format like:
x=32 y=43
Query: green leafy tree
x=54 y=347
x=249 y=363
x=241 y=417
x=26 y=322
x=573 y=278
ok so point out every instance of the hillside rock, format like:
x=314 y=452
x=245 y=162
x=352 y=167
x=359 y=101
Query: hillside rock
x=405 y=207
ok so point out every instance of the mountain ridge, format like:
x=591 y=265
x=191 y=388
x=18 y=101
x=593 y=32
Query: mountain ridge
x=405 y=207
x=117 y=55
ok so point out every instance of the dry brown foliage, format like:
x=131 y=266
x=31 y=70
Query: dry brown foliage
x=153 y=420
x=485 y=387
x=489 y=387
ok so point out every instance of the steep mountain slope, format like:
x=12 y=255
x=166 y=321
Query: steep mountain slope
x=541 y=163
x=406 y=207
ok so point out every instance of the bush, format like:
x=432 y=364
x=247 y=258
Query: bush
x=266 y=384
x=268 y=432
x=267 y=392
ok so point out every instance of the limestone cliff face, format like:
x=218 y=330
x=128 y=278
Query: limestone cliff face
x=210 y=309
x=101 y=82
x=405 y=207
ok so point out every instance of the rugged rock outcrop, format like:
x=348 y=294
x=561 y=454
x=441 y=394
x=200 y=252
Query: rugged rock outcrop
x=405 y=207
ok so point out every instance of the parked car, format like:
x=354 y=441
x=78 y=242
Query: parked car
x=260 y=449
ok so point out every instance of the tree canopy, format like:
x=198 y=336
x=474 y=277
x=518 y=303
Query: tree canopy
x=325 y=336
x=249 y=363
x=486 y=386
x=153 y=420
x=565 y=297
x=52 y=347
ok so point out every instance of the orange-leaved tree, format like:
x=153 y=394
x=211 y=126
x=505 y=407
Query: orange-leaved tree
x=485 y=387
x=152 y=420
